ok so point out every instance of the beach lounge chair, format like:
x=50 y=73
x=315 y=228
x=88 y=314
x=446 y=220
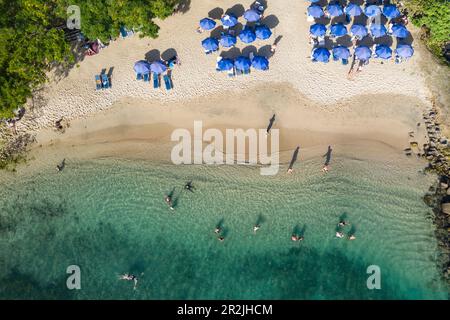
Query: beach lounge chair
x=245 y=72
x=344 y=62
x=168 y=82
x=238 y=72
x=147 y=77
x=98 y=82
x=138 y=76
x=155 y=80
x=105 y=81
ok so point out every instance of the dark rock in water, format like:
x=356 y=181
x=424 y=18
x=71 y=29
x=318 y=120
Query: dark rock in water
x=446 y=208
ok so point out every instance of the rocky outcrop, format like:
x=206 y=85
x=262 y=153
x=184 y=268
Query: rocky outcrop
x=437 y=152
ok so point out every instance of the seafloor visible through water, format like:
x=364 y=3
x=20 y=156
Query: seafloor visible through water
x=109 y=217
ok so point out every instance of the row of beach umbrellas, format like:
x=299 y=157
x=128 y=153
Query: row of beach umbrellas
x=143 y=67
x=247 y=35
x=359 y=30
x=390 y=11
x=230 y=20
x=363 y=53
x=243 y=63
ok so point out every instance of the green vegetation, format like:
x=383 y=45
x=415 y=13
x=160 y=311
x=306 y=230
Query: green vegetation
x=103 y=18
x=30 y=43
x=433 y=16
x=28 y=46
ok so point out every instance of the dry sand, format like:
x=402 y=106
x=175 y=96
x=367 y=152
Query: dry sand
x=140 y=129
x=74 y=96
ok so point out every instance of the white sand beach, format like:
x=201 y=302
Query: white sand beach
x=382 y=103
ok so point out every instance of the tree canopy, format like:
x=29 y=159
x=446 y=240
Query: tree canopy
x=31 y=43
x=434 y=17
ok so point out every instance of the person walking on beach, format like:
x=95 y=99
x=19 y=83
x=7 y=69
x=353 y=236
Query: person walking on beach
x=271 y=121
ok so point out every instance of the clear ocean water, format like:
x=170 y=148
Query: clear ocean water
x=108 y=217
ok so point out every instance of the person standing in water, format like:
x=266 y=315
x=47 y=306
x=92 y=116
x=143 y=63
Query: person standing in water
x=294 y=158
x=168 y=200
x=327 y=160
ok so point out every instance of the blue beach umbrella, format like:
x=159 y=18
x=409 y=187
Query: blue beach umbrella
x=353 y=10
x=358 y=30
x=338 y=30
x=252 y=15
x=318 y=30
x=341 y=52
x=321 y=55
x=142 y=67
x=247 y=35
x=382 y=51
x=363 y=53
x=242 y=63
x=227 y=40
x=315 y=11
x=229 y=20
x=404 y=51
x=207 y=24
x=158 y=67
x=263 y=32
x=399 y=31
x=391 y=11
x=210 y=44
x=372 y=11
x=377 y=30
x=335 y=10
x=225 y=64
x=260 y=63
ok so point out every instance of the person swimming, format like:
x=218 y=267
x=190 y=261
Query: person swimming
x=343 y=223
x=351 y=237
x=189 y=187
x=271 y=121
x=339 y=234
x=217 y=230
x=221 y=238
x=129 y=277
x=256 y=228
x=168 y=200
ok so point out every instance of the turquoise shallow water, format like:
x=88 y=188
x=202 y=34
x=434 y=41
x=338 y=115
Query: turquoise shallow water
x=108 y=217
